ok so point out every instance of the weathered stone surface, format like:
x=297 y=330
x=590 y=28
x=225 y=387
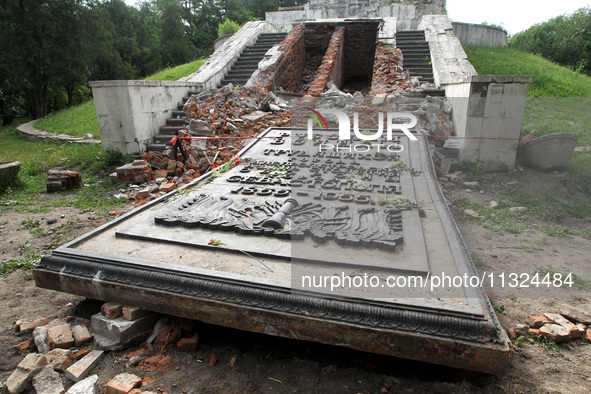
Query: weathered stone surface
x=60 y=337
x=47 y=381
x=555 y=332
x=201 y=128
x=60 y=359
x=86 y=386
x=22 y=376
x=123 y=383
x=110 y=334
x=575 y=314
x=81 y=335
x=79 y=370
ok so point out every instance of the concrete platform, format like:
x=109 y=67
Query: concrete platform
x=161 y=257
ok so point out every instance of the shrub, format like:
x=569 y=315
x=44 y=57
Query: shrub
x=228 y=27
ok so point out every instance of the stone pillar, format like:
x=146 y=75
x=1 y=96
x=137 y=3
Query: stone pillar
x=488 y=113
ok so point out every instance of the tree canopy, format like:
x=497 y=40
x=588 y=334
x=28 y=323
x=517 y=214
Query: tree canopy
x=565 y=40
x=52 y=48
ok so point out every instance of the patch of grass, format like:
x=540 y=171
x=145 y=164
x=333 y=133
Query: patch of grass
x=558 y=231
x=29 y=224
x=38 y=157
x=472 y=168
x=28 y=262
x=81 y=119
x=401 y=202
x=550 y=80
x=174 y=73
x=498 y=219
x=577 y=281
x=77 y=121
x=546 y=342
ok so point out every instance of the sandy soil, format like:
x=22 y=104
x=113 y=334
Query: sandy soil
x=268 y=364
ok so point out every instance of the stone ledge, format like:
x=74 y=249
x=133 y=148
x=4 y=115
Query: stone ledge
x=30 y=133
x=142 y=83
x=502 y=78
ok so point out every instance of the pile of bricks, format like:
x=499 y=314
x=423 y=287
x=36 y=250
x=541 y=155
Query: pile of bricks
x=137 y=172
x=570 y=323
x=63 y=180
x=388 y=76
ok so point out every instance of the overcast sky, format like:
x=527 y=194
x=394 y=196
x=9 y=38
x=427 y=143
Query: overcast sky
x=514 y=15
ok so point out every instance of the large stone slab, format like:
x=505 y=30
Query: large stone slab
x=249 y=248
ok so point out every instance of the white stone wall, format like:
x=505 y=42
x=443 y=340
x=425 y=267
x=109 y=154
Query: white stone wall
x=480 y=35
x=130 y=113
x=219 y=64
x=450 y=62
x=407 y=13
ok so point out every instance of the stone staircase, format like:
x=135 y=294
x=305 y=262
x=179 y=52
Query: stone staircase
x=417 y=57
x=239 y=74
x=249 y=60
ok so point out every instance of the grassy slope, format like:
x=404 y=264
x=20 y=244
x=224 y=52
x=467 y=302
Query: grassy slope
x=559 y=98
x=550 y=80
x=81 y=120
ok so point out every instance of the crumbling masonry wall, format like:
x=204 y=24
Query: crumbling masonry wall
x=290 y=69
x=331 y=69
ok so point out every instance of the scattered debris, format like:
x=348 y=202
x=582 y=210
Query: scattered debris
x=63 y=180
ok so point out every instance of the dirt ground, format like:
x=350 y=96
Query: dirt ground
x=268 y=364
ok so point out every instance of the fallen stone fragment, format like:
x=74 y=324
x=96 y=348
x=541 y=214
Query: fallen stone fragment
x=111 y=310
x=521 y=329
x=60 y=359
x=116 y=334
x=581 y=331
x=537 y=321
x=157 y=328
x=471 y=213
x=60 y=337
x=575 y=314
x=20 y=379
x=81 y=335
x=123 y=383
x=85 y=386
x=27 y=327
x=233 y=362
x=47 y=381
x=79 y=370
x=588 y=334
x=555 y=332
x=562 y=321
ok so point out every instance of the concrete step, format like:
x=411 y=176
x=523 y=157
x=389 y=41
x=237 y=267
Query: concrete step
x=245 y=67
x=434 y=92
x=238 y=74
x=155 y=147
x=234 y=82
x=170 y=130
x=176 y=122
x=193 y=93
x=179 y=114
x=162 y=138
x=247 y=63
x=255 y=50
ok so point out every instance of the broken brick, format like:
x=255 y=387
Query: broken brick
x=63 y=180
x=111 y=310
x=163 y=335
x=537 y=321
x=27 y=327
x=79 y=370
x=213 y=359
x=21 y=347
x=60 y=337
x=81 y=335
x=133 y=313
x=123 y=383
x=187 y=344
